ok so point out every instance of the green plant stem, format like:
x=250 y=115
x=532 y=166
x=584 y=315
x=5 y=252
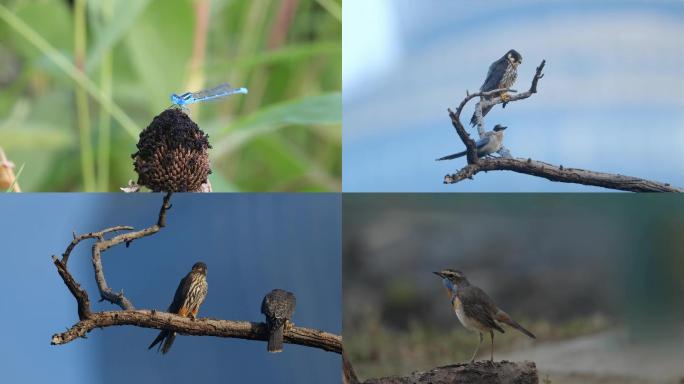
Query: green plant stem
x=15 y=182
x=65 y=65
x=82 y=110
x=104 y=137
x=334 y=9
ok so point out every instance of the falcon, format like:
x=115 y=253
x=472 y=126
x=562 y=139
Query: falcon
x=502 y=74
x=278 y=307
x=190 y=294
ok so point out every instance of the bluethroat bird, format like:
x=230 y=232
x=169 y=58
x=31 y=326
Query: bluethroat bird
x=474 y=309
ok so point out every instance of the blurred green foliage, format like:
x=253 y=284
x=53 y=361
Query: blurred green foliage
x=285 y=135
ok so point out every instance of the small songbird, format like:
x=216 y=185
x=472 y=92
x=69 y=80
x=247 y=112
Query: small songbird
x=190 y=294
x=474 y=309
x=278 y=307
x=502 y=74
x=490 y=143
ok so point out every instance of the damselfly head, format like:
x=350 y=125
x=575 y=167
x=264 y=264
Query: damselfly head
x=177 y=99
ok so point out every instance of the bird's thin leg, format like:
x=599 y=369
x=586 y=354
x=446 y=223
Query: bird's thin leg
x=491 y=333
x=472 y=359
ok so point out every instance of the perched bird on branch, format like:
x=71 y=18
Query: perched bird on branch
x=474 y=309
x=490 y=143
x=502 y=74
x=190 y=294
x=278 y=307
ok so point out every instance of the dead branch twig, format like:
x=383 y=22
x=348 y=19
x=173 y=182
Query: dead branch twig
x=529 y=166
x=89 y=320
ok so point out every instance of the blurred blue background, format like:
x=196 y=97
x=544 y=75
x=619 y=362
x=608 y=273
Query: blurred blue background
x=615 y=71
x=251 y=244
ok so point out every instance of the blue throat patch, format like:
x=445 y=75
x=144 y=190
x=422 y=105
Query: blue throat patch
x=449 y=285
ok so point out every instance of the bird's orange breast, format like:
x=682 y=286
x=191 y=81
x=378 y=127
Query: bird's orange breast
x=456 y=303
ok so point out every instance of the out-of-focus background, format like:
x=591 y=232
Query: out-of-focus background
x=612 y=99
x=597 y=278
x=251 y=244
x=80 y=79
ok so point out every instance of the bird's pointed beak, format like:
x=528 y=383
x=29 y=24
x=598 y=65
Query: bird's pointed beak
x=439 y=274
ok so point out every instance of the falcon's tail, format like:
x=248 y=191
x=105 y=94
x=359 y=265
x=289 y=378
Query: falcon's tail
x=504 y=318
x=451 y=157
x=275 y=335
x=168 y=337
x=485 y=111
x=168 y=342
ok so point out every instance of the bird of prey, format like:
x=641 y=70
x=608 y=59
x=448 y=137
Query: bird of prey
x=190 y=294
x=502 y=74
x=278 y=307
x=490 y=143
x=474 y=309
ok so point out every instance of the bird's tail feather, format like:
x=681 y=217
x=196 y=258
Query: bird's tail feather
x=485 y=111
x=168 y=342
x=275 y=336
x=451 y=157
x=162 y=335
x=504 y=318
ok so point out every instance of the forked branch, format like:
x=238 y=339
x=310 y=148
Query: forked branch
x=89 y=320
x=529 y=166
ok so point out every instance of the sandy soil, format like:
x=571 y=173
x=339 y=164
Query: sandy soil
x=606 y=358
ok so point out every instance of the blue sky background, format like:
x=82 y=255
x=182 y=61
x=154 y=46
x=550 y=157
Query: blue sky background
x=614 y=75
x=251 y=244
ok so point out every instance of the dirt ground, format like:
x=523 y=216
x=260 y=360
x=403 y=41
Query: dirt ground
x=606 y=358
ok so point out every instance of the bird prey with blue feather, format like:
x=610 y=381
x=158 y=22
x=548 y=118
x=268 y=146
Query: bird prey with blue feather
x=491 y=142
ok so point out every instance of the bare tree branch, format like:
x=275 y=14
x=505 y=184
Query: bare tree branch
x=490 y=102
x=348 y=374
x=155 y=319
x=481 y=372
x=200 y=327
x=102 y=245
x=529 y=166
x=561 y=174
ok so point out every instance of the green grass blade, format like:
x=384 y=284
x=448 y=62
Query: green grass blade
x=323 y=109
x=125 y=16
x=16 y=177
x=65 y=65
x=82 y=108
x=334 y=9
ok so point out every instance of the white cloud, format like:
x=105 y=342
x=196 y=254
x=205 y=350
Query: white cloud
x=598 y=60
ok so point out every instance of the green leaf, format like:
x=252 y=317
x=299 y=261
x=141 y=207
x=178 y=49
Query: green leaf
x=221 y=184
x=57 y=31
x=314 y=110
x=290 y=53
x=159 y=47
x=43 y=138
x=16 y=178
x=125 y=15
